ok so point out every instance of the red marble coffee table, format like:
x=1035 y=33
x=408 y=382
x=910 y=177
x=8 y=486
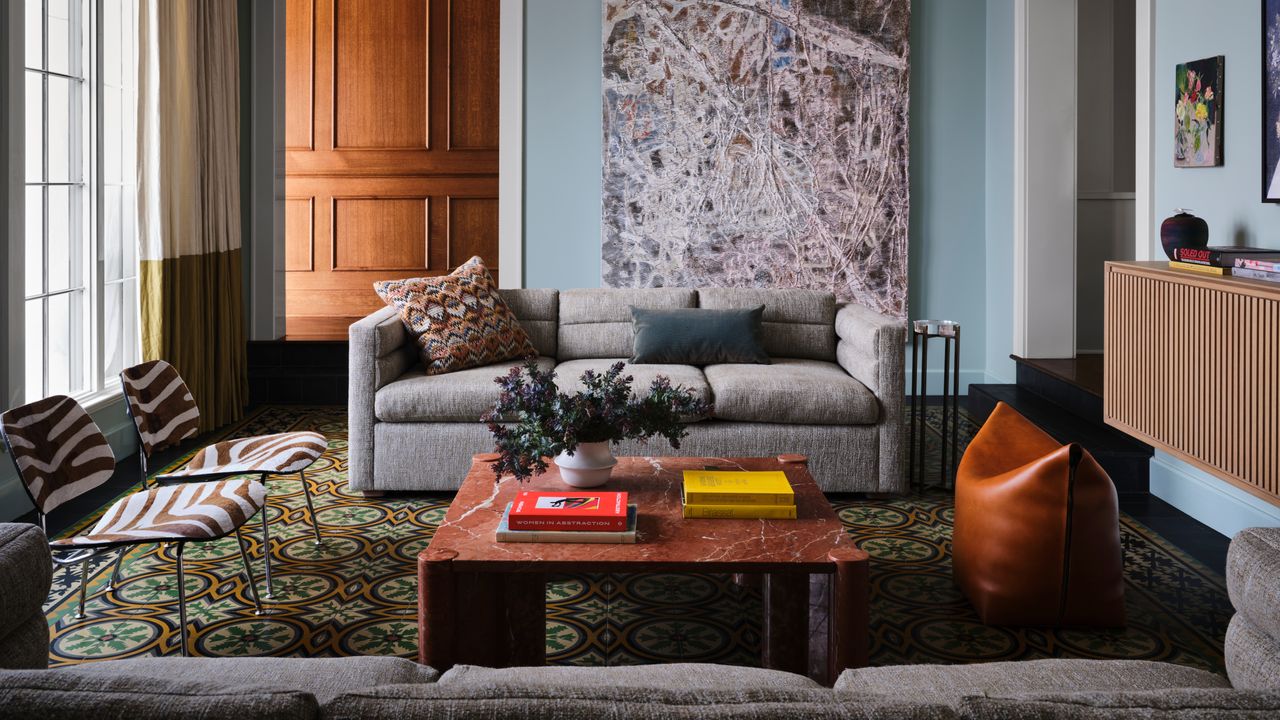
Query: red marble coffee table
x=483 y=602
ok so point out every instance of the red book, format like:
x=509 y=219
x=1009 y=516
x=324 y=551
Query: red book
x=600 y=511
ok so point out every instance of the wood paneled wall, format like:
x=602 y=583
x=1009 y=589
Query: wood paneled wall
x=1193 y=368
x=391 y=157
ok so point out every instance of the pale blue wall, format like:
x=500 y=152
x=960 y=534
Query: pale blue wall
x=949 y=133
x=1228 y=197
x=999 y=191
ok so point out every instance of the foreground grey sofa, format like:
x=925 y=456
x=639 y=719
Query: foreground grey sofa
x=834 y=391
x=375 y=688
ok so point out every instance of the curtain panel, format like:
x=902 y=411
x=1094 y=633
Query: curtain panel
x=189 y=199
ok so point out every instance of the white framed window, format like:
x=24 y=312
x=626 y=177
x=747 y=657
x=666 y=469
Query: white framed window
x=80 y=290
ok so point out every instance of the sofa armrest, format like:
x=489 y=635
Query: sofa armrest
x=870 y=349
x=376 y=355
x=26 y=573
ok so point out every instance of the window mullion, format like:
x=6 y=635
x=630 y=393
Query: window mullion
x=94 y=77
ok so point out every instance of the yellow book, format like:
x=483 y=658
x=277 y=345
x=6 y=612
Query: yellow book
x=772 y=512
x=1193 y=267
x=737 y=487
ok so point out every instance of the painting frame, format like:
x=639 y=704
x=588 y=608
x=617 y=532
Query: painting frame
x=1270 y=101
x=1199 y=119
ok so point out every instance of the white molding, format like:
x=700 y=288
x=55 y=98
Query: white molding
x=1020 y=12
x=1044 y=178
x=12 y=202
x=1144 y=170
x=511 y=145
x=1208 y=499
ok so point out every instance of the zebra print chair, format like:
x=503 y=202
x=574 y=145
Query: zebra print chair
x=165 y=413
x=60 y=454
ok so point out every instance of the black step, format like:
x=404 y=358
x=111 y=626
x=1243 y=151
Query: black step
x=1126 y=460
x=1059 y=390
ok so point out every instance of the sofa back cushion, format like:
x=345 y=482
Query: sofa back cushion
x=596 y=322
x=1173 y=704
x=797 y=323
x=512 y=701
x=48 y=694
x=538 y=311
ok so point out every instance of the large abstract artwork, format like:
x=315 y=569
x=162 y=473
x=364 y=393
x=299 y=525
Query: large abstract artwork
x=1271 y=101
x=757 y=143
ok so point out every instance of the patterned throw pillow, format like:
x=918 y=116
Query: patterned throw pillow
x=460 y=320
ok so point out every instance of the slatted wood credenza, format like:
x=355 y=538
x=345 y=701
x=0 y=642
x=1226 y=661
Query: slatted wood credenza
x=1193 y=368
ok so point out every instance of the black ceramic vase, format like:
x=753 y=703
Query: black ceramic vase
x=1183 y=230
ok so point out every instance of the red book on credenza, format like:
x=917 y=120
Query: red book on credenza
x=601 y=511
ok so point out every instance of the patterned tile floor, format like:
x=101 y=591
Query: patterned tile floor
x=356 y=594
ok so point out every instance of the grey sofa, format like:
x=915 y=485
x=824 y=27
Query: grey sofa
x=834 y=391
x=373 y=687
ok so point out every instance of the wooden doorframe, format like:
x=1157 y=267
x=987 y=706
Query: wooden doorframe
x=511 y=145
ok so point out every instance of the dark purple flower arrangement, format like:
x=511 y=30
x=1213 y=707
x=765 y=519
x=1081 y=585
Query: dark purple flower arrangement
x=533 y=420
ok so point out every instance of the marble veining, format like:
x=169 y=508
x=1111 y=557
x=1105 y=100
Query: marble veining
x=757 y=143
x=666 y=539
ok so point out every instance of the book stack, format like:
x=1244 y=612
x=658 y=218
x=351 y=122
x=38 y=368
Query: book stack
x=1254 y=269
x=568 y=517
x=738 y=494
x=1220 y=260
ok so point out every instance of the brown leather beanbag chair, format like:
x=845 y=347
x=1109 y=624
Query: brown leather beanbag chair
x=1037 y=530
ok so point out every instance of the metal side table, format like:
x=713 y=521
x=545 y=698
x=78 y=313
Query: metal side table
x=922 y=331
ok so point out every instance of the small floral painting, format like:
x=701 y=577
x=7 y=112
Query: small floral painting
x=1197 y=140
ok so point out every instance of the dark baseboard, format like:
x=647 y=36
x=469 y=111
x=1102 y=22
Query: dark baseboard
x=297 y=372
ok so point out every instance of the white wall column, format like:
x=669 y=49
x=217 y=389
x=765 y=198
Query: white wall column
x=1144 y=211
x=264 y=253
x=1044 y=178
x=511 y=145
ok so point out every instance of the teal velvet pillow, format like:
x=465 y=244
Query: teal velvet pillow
x=697 y=336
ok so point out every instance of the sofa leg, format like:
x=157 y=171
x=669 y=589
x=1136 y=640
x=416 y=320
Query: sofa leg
x=371 y=494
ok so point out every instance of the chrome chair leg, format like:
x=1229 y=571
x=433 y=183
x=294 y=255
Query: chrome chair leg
x=115 y=571
x=311 y=508
x=182 y=597
x=84 y=585
x=266 y=546
x=248 y=571
x=142 y=464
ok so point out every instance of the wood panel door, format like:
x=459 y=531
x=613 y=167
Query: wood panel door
x=391 y=156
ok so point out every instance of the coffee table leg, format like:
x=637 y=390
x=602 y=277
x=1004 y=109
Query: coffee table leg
x=436 y=615
x=850 y=616
x=526 y=618
x=786 y=622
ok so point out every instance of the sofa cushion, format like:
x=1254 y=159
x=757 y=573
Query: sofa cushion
x=1252 y=656
x=324 y=678
x=949 y=683
x=461 y=396
x=697 y=336
x=25 y=574
x=112 y=696
x=538 y=310
x=26 y=643
x=460 y=320
x=569 y=376
x=791 y=391
x=596 y=322
x=587 y=702
x=797 y=323
x=669 y=676
x=1170 y=704
x=1253 y=577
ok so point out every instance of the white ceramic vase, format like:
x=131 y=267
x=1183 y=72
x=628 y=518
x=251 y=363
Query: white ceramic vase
x=588 y=466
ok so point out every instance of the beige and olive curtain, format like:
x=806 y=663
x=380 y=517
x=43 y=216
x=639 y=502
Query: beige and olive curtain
x=189 y=199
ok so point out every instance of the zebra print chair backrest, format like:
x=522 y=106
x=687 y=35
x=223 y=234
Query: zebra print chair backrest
x=58 y=449
x=160 y=404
